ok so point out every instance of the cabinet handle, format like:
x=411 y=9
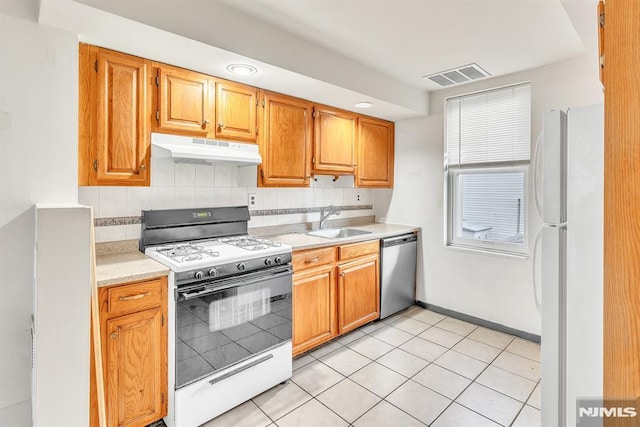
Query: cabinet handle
x=205 y=123
x=114 y=336
x=221 y=125
x=309 y=261
x=143 y=167
x=134 y=297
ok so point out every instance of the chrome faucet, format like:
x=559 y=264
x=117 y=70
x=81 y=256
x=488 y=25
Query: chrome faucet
x=326 y=212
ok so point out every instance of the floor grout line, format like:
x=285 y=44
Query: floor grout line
x=474 y=381
x=381 y=325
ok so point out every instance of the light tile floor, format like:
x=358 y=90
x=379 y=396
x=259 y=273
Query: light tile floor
x=416 y=368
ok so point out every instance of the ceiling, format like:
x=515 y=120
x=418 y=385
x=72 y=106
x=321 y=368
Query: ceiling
x=334 y=51
x=408 y=39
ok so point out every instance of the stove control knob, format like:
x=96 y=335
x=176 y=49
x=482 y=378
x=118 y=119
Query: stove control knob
x=268 y=262
x=213 y=272
x=278 y=260
x=242 y=266
x=199 y=275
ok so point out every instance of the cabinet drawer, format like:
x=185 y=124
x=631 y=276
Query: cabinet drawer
x=134 y=297
x=313 y=258
x=358 y=249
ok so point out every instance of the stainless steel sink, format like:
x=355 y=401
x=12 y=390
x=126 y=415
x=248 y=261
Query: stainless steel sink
x=337 y=233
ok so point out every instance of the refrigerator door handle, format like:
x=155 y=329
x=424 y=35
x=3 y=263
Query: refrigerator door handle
x=536 y=243
x=534 y=175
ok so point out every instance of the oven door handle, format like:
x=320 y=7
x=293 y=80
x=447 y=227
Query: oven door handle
x=231 y=283
x=241 y=368
x=186 y=296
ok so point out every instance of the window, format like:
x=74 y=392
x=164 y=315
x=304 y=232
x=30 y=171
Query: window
x=488 y=138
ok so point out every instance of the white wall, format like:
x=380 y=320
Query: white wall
x=38 y=163
x=62 y=320
x=490 y=287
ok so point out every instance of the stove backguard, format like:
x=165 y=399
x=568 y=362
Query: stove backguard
x=167 y=226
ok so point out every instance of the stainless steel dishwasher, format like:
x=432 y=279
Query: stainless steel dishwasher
x=398 y=273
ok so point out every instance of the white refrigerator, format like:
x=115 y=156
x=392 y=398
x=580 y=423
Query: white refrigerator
x=568 y=179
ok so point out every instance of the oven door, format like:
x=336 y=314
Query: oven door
x=223 y=322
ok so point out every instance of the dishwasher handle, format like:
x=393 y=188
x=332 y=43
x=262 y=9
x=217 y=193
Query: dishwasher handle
x=398 y=240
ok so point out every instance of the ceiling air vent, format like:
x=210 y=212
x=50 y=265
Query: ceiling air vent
x=458 y=75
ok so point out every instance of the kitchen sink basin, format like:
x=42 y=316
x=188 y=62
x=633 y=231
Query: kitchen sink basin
x=337 y=233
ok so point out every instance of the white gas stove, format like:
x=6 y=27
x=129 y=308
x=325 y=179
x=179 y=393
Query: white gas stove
x=185 y=256
x=230 y=308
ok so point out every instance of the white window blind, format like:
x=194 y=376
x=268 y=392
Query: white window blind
x=489 y=127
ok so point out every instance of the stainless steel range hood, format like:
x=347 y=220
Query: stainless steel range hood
x=200 y=150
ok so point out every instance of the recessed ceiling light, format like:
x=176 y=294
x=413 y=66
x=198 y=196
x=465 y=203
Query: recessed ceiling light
x=363 y=104
x=241 y=69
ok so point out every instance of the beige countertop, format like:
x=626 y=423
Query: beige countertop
x=300 y=241
x=117 y=268
x=126 y=267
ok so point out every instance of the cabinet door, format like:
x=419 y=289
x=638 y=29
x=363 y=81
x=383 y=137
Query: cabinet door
x=116 y=104
x=358 y=293
x=135 y=368
x=285 y=142
x=334 y=141
x=375 y=153
x=185 y=101
x=314 y=309
x=236 y=107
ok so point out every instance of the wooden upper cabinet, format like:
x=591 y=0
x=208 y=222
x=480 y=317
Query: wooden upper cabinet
x=375 y=153
x=122 y=98
x=185 y=101
x=285 y=141
x=113 y=119
x=334 y=141
x=236 y=111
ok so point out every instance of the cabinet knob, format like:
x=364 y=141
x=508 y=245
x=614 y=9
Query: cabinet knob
x=143 y=167
x=114 y=336
x=342 y=274
x=205 y=123
x=221 y=125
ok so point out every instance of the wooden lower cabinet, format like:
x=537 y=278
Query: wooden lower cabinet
x=134 y=350
x=358 y=293
x=336 y=289
x=314 y=315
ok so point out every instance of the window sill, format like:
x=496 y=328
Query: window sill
x=484 y=251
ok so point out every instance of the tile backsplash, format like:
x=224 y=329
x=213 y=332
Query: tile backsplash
x=187 y=185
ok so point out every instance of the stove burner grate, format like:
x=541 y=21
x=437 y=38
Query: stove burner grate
x=251 y=243
x=186 y=252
